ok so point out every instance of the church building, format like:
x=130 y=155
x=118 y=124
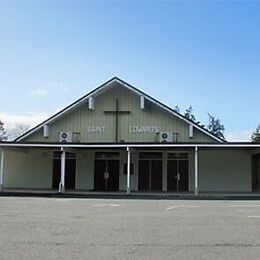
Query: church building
x=119 y=139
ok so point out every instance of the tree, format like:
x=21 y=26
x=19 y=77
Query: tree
x=189 y=115
x=255 y=137
x=3 y=136
x=177 y=109
x=17 y=130
x=215 y=127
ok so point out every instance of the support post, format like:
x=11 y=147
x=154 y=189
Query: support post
x=2 y=169
x=164 y=173
x=128 y=182
x=196 y=188
x=62 y=171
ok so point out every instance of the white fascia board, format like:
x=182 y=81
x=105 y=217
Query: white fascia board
x=5 y=144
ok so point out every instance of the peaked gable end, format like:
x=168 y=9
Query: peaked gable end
x=118 y=112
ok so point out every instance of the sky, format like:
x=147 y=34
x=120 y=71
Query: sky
x=186 y=53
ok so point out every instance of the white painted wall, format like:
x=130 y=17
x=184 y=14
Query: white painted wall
x=219 y=170
x=225 y=170
x=85 y=170
x=31 y=168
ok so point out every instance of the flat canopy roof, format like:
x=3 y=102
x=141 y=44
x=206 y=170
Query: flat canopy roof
x=133 y=145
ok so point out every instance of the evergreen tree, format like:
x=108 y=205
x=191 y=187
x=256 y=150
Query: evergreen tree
x=255 y=137
x=177 y=109
x=189 y=115
x=215 y=127
x=3 y=136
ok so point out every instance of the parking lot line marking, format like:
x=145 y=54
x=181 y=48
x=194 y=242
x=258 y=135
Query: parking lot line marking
x=181 y=206
x=66 y=200
x=253 y=216
x=105 y=205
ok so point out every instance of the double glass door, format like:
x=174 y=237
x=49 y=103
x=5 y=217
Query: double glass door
x=106 y=171
x=177 y=172
x=70 y=170
x=150 y=171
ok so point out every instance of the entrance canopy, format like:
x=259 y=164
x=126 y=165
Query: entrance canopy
x=139 y=166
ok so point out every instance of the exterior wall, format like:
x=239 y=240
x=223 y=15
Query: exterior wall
x=134 y=177
x=225 y=170
x=219 y=170
x=81 y=119
x=85 y=170
x=30 y=168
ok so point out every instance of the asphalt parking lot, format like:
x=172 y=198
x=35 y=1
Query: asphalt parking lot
x=62 y=228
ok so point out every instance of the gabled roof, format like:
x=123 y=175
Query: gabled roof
x=128 y=86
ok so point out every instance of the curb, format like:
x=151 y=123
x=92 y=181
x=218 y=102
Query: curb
x=132 y=196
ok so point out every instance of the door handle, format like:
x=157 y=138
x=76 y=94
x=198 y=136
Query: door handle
x=106 y=175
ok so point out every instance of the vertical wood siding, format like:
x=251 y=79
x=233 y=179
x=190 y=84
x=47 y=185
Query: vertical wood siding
x=81 y=118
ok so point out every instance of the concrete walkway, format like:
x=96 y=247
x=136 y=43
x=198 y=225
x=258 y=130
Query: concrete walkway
x=132 y=195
